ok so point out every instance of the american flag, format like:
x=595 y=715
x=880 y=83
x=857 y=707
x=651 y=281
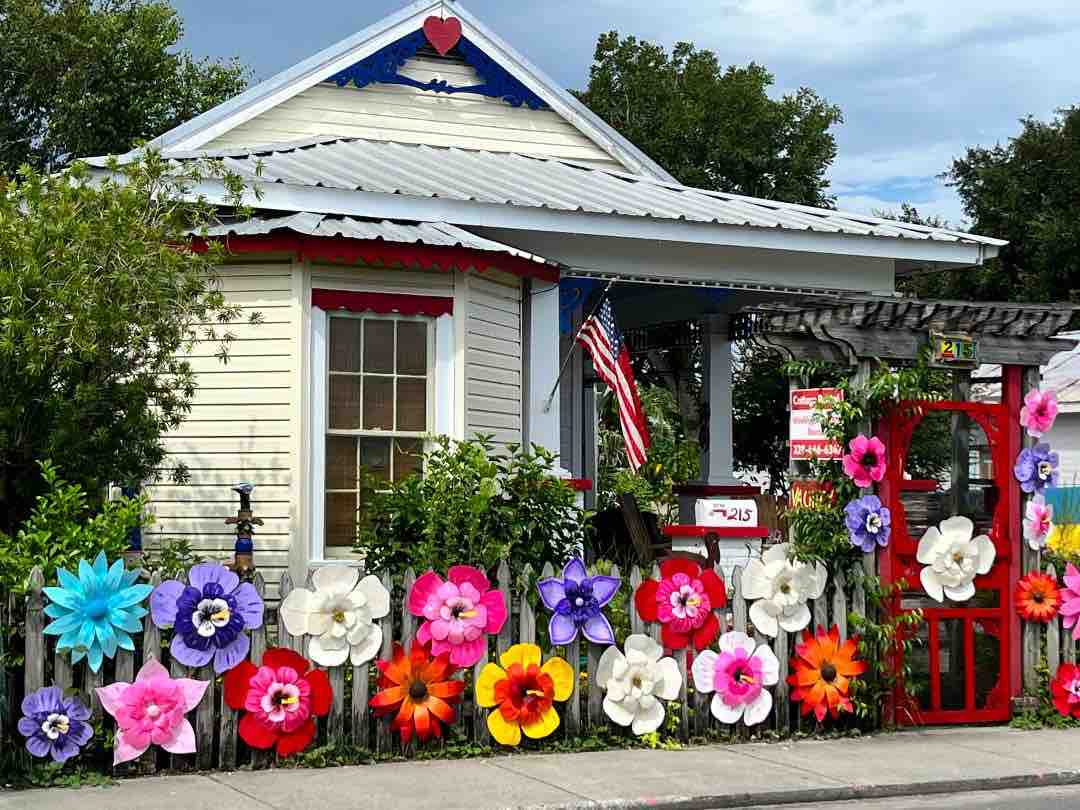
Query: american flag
x=611 y=359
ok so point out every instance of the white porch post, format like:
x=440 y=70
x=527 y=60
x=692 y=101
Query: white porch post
x=716 y=462
x=542 y=425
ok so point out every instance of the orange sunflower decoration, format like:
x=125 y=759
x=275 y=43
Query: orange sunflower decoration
x=1037 y=597
x=822 y=669
x=417 y=689
x=524 y=693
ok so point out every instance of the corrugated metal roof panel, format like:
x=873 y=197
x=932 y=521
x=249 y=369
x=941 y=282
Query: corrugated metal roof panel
x=539 y=182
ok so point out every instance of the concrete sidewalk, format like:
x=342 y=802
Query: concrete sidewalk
x=906 y=763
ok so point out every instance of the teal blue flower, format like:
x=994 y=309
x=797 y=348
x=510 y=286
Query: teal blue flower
x=96 y=611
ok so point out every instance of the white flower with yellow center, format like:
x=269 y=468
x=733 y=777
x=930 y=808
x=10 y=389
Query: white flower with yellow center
x=339 y=615
x=953 y=558
x=781 y=587
x=637 y=682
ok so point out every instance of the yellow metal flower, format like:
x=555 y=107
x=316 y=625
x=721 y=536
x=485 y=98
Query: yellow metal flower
x=523 y=692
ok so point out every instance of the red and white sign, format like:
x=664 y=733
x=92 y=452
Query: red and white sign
x=807 y=438
x=726 y=512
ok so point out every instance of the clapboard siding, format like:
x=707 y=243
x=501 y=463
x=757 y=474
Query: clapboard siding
x=493 y=357
x=406 y=115
x=240 y=428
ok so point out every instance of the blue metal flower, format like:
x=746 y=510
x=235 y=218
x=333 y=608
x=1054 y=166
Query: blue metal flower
x=96 y=611
x=576 y=601
x=869 y=524
x=1036 y=468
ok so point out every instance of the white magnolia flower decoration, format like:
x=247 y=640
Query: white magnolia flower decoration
x=953 y=558
x=781 y=587
x=339 y=615
x=637 y=682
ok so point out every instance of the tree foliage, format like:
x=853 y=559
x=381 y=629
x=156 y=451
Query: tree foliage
x=759 y=395
x=714 y=127
x=98 y=305
x=92 y=77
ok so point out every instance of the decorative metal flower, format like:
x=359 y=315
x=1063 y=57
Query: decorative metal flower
x=460 y=612
x=1070 y=601
x=683 y=601
x=1065 y=690
x=738 y=676
x=576 y=601
x=210 y=615
x=282 y=697
x=952 y=558
x=95 y=612
x=54 y=725
x=1038 y=522
x=781 y=587
x=869 y=524
x=822 y=670
x=1039 y=412
x=637 y=682
x=1036 y=468
x=419 y=690
x=523 y=693
x=1037 y=597
x=151 y=711
x=865 y=463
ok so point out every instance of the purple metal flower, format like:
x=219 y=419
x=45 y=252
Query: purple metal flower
x=210 y=615
x=868 y=523
x=576 y=601
x=54 y=725
x=1036 y=468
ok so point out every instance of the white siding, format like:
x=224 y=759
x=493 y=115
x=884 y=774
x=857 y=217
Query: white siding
x=493 y=357
x=241 y=428
x=406 y=115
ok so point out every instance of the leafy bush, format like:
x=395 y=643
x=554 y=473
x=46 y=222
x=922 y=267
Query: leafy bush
x=471 y=506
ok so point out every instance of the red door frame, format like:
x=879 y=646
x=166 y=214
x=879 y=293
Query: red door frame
x=1001 y=424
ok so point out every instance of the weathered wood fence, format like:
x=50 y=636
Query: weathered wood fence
x=1049 y=642
x=350 y=721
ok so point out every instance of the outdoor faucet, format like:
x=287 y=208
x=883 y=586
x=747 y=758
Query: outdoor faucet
x=244 y=564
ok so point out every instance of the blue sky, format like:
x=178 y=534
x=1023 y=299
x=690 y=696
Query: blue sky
x=917 y=80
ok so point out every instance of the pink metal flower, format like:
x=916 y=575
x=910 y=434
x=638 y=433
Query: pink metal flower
x=682 y=602
x=1070 y=601
x=460 y=612
x=151 y=711
x=1038 y=522
x=1039 y=412
x=738 y=675
x=280 y=698
x=865 y=463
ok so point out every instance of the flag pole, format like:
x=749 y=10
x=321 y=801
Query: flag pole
x=573 y=345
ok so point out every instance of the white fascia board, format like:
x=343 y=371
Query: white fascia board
x=285 y=197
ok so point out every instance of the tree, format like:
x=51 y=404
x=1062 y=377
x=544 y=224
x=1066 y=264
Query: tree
x=93 y=77
x=1028 y=192
x=759 y=413
x=714 y=127
x=98 y=306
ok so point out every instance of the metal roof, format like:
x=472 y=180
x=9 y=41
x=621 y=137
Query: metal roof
x=527 y=181
x=433 y=234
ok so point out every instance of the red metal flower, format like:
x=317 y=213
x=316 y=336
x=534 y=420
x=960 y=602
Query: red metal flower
x=683 y=601
x=821 y=672
x=419 y=689
x=281 y=698
x=1037 y=597
x=1065 y=690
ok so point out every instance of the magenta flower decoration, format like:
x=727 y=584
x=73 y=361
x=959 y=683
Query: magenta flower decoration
x=1038 y=522
x=1039 y=412
x=151 y=711
x=461 y=612
x=576 y=602
x=865 y=463
x=1070 y=601
x=738 y=676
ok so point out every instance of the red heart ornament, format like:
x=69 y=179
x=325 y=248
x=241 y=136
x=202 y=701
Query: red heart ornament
x=442 y=34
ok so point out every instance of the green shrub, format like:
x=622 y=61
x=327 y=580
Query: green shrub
x=473 y=507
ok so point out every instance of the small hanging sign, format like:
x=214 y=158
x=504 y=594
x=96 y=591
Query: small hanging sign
x=953 y=350
x=442 y=34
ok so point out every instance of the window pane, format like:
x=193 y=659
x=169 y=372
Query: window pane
x=379 y=346
x=375 y=458
x=407 y=457
x=378 y=403
x=340 y=518
x=345 y=344
x=344 y=402
x=411 y=347
x=411 y=404
x=340 y=462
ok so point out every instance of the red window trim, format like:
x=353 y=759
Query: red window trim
x=382 y=303
x=386 y=254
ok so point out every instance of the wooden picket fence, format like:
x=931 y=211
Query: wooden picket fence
x=350 y=721
x=1050 y=639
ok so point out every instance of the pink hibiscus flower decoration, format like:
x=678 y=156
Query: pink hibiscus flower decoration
x=461 y=612
x=682 y=601
x=865 y=463
x=151 y=711
x=1070 y=601
x=738 y=675
x=1038 y=522
x=1039 y=412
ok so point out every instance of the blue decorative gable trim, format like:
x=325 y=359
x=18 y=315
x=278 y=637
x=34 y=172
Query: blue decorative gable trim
x=383 y=66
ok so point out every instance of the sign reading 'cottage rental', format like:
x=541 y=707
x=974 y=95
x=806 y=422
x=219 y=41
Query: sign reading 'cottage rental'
x=807 y=438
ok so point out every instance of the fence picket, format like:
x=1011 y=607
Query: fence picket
x=653 y=628
x=527 y=616
x=1053 y=635
x=637 y=625
x=284 y=637
x=781 y=710
x=839 y=604
x=34 y=668
x=228 y=718
x=595 y=714
x=821 y=613
x=383 y=740
x=259 y=644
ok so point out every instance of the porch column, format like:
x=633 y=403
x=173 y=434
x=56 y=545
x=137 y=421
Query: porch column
x=717 y=466
x=542 y=366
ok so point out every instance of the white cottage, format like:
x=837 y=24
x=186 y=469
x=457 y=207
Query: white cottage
x=435 y=216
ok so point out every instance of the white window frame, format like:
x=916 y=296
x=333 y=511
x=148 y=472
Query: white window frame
x=441 y=408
